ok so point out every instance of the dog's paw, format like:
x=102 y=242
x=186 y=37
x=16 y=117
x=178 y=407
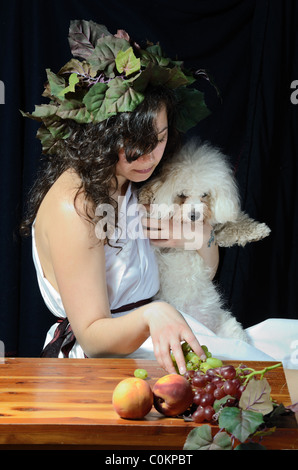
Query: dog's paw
x=244 y=230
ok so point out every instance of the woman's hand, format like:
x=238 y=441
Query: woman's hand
x=176 y=232
x=168 y=329
x=187 y=235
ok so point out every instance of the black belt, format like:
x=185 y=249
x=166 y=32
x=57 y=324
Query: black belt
x=131 y=306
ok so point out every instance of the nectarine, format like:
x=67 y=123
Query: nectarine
x=172 y=394
x=132 y=398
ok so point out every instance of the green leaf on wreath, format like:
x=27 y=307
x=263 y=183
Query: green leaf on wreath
x=94 y=100
x=57 y=84
x=127 y=62
x=240 y=423
x=191 y=108
x=121 y=97
x=81 y=68
x=48 y=140
x=41 y=111
x=75 y=110
x=154 y=54
x=104 y=55
x=73 y=80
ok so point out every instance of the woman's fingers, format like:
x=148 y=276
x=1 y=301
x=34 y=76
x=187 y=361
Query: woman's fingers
x=190 y=338
x=179 y=357
x=173 y=233
x=163 y=357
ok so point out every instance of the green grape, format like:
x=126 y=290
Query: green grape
x=192 y=357
x=140 y=373
x=189 y=366
x=189 y=355
x=185 y=347
x=192 y=360
x=213 y=362
x=174 y=362
x=205 y=366
x=206 y=351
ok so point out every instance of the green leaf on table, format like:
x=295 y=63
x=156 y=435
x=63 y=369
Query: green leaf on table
x=240 y=423
x=200 y=438
x=218 y=404
x=281 y=417
x=250 y=446
x=127 y=62
x=256 y=397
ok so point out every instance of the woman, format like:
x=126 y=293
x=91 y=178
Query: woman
x=103 y=288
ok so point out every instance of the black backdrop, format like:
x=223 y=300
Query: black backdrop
x=250 y=47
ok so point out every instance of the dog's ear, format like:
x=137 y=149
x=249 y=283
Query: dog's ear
x=159 y=193
x=225 y=202
x=146 y=193
x=156 y=192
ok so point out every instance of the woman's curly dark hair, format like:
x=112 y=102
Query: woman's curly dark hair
x=92 y=152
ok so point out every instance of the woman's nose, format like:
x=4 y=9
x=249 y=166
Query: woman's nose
x=147 y=157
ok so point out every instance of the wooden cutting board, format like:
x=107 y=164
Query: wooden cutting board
x=60 y=403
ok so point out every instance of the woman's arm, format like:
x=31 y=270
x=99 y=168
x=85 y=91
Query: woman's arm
x=78 y=261
x=209 y=249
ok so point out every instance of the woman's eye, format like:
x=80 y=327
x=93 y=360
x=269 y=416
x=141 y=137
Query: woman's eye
x=164 y=138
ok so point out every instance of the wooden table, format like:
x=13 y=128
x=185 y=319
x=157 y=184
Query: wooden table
x=66 y=403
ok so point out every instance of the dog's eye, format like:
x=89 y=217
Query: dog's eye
x=204 y=195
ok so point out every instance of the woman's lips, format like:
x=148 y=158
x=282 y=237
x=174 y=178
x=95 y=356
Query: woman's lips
x=143 y=172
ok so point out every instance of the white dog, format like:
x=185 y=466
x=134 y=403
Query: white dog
x=199 y=176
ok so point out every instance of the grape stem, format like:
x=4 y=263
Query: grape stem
x=258 y=372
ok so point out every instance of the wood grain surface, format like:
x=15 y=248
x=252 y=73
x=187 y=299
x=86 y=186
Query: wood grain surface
x=61 y=403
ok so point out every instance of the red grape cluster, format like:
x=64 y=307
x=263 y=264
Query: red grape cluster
x=215 y=384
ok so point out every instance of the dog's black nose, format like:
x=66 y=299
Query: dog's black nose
x=194 y=215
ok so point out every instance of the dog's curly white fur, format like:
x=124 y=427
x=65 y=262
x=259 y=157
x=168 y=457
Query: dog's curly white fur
x=200 y=173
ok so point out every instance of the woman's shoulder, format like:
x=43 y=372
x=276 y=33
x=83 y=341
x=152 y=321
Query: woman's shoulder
x=64 y=202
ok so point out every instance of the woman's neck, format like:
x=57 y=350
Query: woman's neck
x=122 y=188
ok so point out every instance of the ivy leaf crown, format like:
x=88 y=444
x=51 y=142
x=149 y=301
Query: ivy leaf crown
x=109 y=74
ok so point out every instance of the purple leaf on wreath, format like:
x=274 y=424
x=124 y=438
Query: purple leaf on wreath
x=83 y=37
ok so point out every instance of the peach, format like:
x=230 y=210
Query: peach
x=172 y=394
x=132 y=398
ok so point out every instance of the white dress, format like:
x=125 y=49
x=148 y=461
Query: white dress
x=132 y=275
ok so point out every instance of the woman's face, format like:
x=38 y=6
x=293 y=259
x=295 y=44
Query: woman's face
x=140 y=169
